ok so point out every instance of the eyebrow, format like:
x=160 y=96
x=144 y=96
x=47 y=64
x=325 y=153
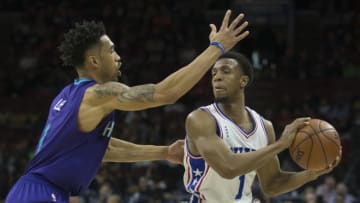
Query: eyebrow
x=223 y=66
x=112 y=47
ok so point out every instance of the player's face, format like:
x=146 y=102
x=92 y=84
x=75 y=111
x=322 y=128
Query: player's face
x=109 y=59
x=226 y=79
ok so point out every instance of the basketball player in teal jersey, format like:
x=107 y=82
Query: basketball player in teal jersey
x=228 y=143
x=77 y=135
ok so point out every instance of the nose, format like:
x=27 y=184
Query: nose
x=217 y=76
x=117 y=57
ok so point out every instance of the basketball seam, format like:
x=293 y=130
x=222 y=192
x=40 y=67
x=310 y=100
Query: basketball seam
x=302 y=141
x=309 y=155
x=331 y=140
x=309 y=136
x=321 y=144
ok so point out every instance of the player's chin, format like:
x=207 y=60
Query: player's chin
x=220 y=98
x=116 y=76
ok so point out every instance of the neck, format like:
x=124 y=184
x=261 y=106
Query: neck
x=83 y=73
x=234 y=107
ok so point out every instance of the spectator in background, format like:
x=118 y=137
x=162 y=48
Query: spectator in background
x=310 y=196
x=327 y=189
x=143 y=193
x=341 y=195
x=114 y=198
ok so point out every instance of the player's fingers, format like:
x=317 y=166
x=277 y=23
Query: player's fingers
x=301 y=122
x=303 y=119
x=337 y=161
x=298 y=124
x=241 y=27
x=235 y=22
x=225 y=22
x=331 y=166
x=340 y=152
x=242 y=36
x=213 y=28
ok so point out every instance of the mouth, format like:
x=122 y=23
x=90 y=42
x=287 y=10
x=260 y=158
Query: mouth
x=219 y=88
x=119 y=71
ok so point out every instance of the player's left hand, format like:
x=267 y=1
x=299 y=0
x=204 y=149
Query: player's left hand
x=331 y=166
x=176 y=152
x=229 y=34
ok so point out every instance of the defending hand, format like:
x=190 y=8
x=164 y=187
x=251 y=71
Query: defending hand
x=229 y=35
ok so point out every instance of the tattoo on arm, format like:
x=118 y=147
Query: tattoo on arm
x=141 y=93
x=102 y=91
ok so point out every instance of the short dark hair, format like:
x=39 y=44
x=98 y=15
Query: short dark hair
x=78 y=40
x=243 y=61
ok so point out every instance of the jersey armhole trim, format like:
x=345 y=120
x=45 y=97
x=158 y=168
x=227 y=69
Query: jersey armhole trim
x=218 y=130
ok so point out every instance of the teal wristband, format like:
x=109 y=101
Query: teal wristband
x=219 y=45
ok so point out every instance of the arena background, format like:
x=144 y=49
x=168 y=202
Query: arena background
x=306 y=55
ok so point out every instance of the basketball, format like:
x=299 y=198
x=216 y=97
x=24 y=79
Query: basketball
x=316 y=145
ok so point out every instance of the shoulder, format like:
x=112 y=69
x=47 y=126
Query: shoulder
x=199 y=114
x=269 y=130
x=268 y=124
x=100 y=96
x=100 y=93
x=200 y=119
x=106 y=89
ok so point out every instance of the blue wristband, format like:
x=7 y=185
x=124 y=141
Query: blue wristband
x=219 y=45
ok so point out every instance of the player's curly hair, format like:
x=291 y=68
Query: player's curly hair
x=79 y=39
x=244 y=63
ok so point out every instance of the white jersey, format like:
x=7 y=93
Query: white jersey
x=203 y=182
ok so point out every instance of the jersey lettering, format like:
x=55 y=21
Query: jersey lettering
x=108 y=129
x=238 y=150
x=58 y=106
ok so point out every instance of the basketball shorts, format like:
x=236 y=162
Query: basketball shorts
x=32 y=188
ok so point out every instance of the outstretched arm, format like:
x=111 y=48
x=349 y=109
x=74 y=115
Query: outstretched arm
x=201 y=132
x=122 y=151
x=274 y=181
x=119 y=96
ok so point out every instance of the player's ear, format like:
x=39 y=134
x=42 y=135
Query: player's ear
x=244 y=80
x=92 y=61
x=92 y=57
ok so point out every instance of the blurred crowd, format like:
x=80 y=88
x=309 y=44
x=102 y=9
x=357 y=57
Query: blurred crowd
x=155 y=38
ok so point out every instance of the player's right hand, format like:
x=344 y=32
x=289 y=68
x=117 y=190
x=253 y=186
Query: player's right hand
x=176 y=152
x=229 y=35
x=291 y=129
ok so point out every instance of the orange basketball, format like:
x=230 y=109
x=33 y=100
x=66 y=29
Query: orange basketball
x=316 y=145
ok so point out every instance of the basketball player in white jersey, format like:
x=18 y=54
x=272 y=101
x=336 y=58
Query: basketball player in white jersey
x=228 y=144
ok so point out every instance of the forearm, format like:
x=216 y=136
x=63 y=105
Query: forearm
x=181 y=81
x=247 y=162
x=289 y=181
x=122 y=151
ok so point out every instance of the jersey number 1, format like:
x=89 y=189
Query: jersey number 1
x=241 y=187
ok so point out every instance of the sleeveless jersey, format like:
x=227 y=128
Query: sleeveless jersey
x=203 y=182
x=65 y=156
